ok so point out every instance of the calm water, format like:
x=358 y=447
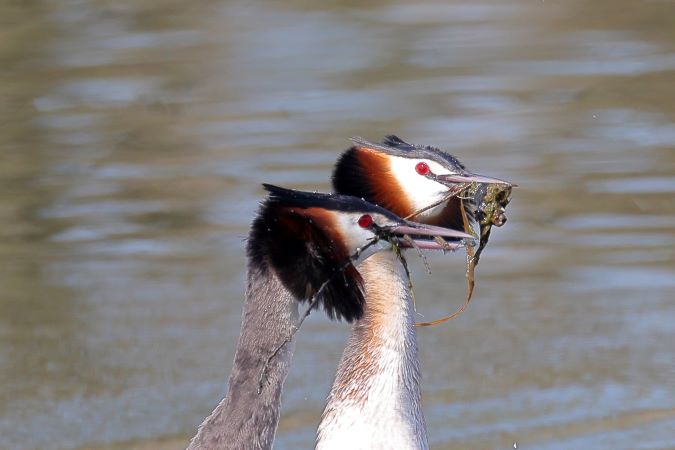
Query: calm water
x=134 y=136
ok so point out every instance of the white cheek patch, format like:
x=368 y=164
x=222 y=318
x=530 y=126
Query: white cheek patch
x=437 y=168
x=420 y=190
x=355 y=237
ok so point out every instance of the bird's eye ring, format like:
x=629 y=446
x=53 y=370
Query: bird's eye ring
x=365 y=221
x=422 y=168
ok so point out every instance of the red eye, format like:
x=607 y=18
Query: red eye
x=422 y=168
x=365 y=221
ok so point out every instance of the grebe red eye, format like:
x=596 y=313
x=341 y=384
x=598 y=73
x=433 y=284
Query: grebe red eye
x=422 y=168
x=365 y=221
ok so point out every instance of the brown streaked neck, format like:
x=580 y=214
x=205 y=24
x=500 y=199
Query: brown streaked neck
x=375 y=401
x=248 y=415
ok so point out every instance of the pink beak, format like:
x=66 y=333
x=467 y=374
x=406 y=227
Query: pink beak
x=420 y=229
x=416 y=230
x=469 y=177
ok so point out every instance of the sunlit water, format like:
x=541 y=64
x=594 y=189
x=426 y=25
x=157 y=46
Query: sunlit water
x=134 y=137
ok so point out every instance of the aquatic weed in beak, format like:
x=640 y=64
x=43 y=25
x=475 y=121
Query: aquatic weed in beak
x=490 y=201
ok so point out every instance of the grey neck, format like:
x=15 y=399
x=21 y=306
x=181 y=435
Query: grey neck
x=375 y=401
x=247 y=417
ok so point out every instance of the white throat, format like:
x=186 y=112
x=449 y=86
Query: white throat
x=375 y=401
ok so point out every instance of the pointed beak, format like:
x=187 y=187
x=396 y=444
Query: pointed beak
x=417 y=232
x=468 y=177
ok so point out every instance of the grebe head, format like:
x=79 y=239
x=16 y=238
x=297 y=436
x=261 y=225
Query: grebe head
x=407 y=178
x=309 y=239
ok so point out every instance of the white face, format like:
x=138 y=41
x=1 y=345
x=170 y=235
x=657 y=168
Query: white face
x=421 y=190
x=357 y=237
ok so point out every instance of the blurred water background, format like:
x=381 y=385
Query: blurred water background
x=134 y=136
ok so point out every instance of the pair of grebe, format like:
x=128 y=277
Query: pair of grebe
x=305 y=245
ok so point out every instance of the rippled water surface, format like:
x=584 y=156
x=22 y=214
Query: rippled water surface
x=134 y=136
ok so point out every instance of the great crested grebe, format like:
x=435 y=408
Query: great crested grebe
x=406 y=178
x=375 y=401
x=299 y=243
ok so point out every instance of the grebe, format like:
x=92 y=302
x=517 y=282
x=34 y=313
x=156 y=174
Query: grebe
x=299 y=243
x=375 y=401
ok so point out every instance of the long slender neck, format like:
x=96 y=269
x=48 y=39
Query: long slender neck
x=248 y=416
x=375 y=401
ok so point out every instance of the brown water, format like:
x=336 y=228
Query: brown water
x=134 y=136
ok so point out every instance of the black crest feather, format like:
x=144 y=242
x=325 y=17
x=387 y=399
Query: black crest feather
x=303 y=254
x=351 y=178
x=425 y=151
